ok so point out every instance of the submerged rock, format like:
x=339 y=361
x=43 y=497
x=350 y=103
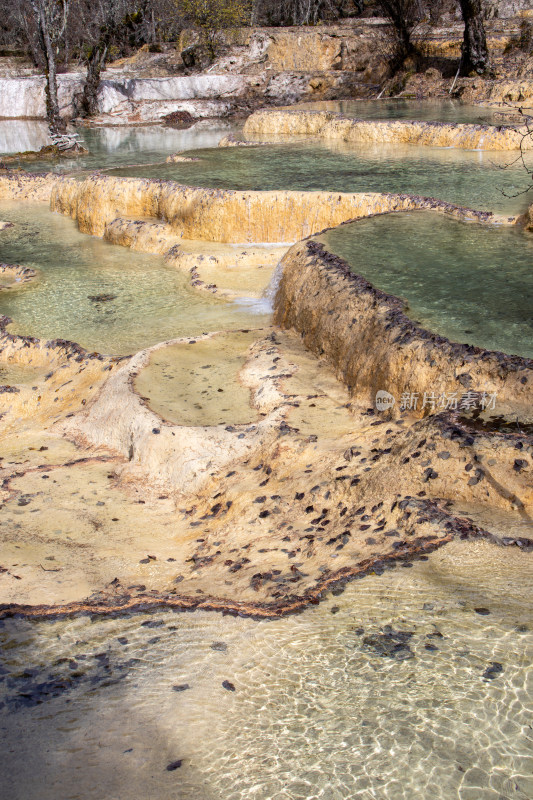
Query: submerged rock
x=390 y=645
x=102 y=298
x=493 y=670
x=49 y=152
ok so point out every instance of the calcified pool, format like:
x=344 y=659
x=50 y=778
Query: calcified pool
x=200 y=385
x=14 y=374
x=104 y=297
x=413 y=684
x=474 y=179
x=428 y=110
x=471 y=283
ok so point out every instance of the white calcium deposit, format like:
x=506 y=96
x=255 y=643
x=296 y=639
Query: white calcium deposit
x=25 y=97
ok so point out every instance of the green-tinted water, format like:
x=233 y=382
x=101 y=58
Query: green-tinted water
x=470 y=178
x=428 y=110
x=136 y=707
x=104 y=297
x=469 y=282
x=466 y=178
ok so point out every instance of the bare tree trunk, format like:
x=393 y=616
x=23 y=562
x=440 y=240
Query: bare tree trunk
x=474 y=52
x=404 y=16
x=46 y=46
x=95 y=64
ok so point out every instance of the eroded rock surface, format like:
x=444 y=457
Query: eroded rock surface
x=214 y=214
x=110 y=503
x=329 y=125
x=258 y=518
x=373 y=345
x=147 y=98
x=14 y=275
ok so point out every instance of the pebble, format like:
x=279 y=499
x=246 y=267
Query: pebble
x=391 y=645
x=228 y=686
x=492 y=671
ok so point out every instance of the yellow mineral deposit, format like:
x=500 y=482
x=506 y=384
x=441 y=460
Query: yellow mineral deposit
x=248 y=470
x=329 y=125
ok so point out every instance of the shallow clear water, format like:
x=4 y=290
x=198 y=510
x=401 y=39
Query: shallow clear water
x=469 y=282
x=93 y=708
x=110 y=146
x=428 y=110
x=13 y=374
x=148 y=302
x=199 y=385
x=470 y=178
x=466 y=178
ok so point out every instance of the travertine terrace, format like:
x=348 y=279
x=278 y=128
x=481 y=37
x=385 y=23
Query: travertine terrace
x=247 y=517
x=266 y=350
x=329 y=125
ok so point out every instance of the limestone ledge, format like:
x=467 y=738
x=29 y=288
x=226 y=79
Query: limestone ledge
x=229 y=216
x=142 y=98
x=371 y=343
x=148 y=112
x=232 y=141
x=174 y=457
x=227 y=571
x=313 y=453
x=69 y=373
x=178 y=158
x=25 y=186
x=227 y=270
x=49 y=152
x=215 y=215
x=331 y=125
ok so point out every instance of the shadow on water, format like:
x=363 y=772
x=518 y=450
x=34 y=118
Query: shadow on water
x=413 y=684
